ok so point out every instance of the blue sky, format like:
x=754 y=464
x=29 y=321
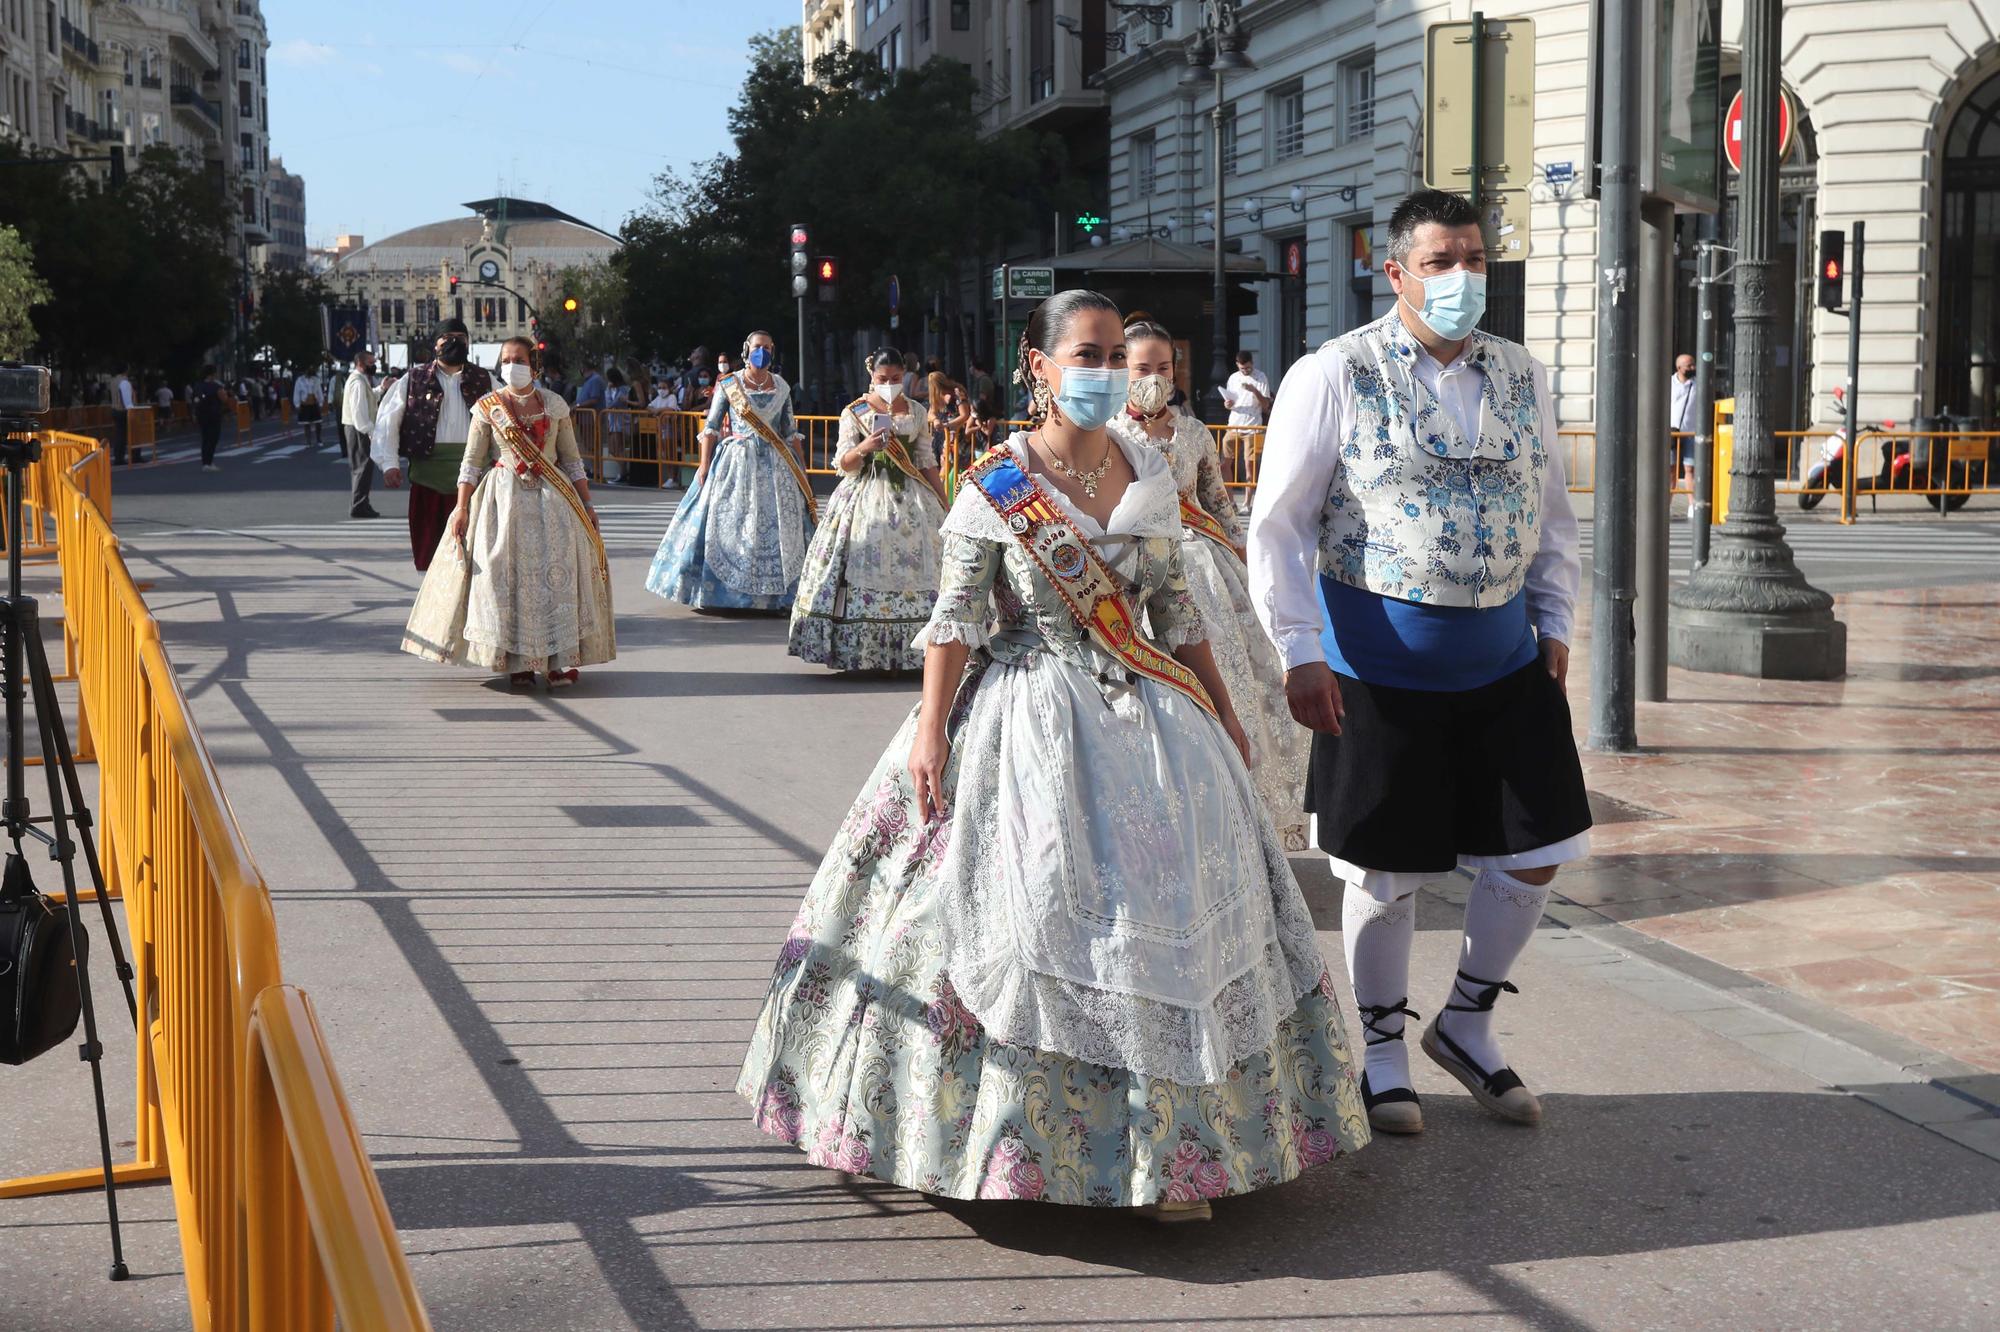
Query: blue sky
x=396 y=114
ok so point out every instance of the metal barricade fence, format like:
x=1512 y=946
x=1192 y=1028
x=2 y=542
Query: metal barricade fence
x=282 y=1221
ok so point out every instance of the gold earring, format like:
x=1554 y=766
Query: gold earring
x=1044 y=400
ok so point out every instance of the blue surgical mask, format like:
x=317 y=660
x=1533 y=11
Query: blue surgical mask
x=760 y=357
x=1453 y=303
x=1089 y=396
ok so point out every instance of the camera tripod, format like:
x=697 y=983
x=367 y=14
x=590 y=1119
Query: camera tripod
x=24 y=670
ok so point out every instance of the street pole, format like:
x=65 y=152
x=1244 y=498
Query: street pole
x=1218 y=365
x=801 y=302
x=1749 y=611
x=1654 y=446
x=1612 y=727
x=1472 y=189
x=1008 y=348
x=1853 y=451
x=1701 y=506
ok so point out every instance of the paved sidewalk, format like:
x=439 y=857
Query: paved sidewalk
x=537 y=929
x=1840 y=841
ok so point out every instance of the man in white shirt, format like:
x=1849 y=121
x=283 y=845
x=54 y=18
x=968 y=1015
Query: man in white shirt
x=357 y=427
x=1414 y=557
x=307 y=403
x=1680 y=415
x=425 y=419
x=1247 y=395
x=123 y=403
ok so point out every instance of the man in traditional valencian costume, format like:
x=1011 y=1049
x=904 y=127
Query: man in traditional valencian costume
x=1413 y=555
x=421 y=428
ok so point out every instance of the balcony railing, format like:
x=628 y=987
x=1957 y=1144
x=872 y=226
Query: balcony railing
x=150 y=81
x=185 y=95
x=79 y=42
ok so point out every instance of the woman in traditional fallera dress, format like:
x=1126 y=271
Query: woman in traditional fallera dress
x=1212 y=553
x=1056 y=951
x=871 y=575
x=520 y=584
x=739 y=538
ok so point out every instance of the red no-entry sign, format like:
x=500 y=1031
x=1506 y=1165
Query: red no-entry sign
x=1732 y=130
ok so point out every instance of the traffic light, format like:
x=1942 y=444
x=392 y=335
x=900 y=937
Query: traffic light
x=828 y=271
x=569 y=305
x=452 y=283
x=535 y=325
x=117 y=166
x=801 y=239
x=1832 y=267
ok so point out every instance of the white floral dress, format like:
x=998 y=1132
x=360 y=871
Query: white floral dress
x=1280 y=749
x=526 y=590
x=871 y=574
x=1093 y=981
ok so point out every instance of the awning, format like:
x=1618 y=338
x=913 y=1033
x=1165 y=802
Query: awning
x=1150 y=254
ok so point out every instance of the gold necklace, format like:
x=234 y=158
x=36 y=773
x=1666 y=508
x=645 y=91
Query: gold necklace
x=1088 y=480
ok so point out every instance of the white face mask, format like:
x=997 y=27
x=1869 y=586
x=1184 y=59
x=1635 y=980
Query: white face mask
x=1149 y=393
x=517 y=374
x=889 y=392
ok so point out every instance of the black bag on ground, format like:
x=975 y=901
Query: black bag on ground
x=39 y=1000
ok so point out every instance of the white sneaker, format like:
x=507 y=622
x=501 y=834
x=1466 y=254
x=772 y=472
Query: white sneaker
x=210 y=467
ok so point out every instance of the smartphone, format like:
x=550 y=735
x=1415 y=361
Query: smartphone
x=884 y=423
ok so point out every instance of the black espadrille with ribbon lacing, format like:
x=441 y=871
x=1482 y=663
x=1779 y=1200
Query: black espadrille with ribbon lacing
x=1396 y=1110
x=1499 y=1090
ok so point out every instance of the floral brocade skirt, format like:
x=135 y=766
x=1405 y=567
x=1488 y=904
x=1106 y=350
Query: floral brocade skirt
x=870 y=576
x=865 y=1057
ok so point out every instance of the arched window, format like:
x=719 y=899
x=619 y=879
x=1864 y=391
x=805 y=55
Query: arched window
x=1968 y=364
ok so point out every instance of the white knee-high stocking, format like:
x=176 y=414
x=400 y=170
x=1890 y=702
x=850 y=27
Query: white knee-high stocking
x=1376 y=936
x=1500 y=917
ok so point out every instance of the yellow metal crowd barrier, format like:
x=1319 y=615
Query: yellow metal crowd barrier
x=282 y=1222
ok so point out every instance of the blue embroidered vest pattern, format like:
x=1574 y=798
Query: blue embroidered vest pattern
x=1416 y=511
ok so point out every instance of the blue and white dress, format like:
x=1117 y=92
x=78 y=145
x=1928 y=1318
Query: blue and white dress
x=739 y=538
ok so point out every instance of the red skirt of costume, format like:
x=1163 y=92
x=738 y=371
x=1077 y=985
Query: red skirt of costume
x=430 y=513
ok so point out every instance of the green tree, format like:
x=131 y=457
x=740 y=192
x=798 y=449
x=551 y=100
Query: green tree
x=145 y=274
x=891 y=172
x=288 y=318
x=20 y=289
x=596 y=329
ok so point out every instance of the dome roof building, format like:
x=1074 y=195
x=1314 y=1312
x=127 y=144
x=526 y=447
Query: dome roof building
x=507 y=254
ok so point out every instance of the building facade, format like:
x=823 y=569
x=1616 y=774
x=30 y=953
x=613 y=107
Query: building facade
x=507 y=254
x=1324 y=136
x=1899 y=125
x=285 y=197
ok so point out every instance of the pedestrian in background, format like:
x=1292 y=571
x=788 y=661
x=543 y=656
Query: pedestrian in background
x=163 y=398
x=122 y=403
x=210 y=398
x=1680 y=417
x=524 y=587
x=617 y=425
x=1247 y=395
x=307 y=405
x=423 y=420
x=357 y=427
x=985 y=394
x=871 y=574
x=739 y=537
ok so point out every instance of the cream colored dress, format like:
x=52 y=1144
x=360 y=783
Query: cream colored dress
x=527 y=589
x=1251 y=668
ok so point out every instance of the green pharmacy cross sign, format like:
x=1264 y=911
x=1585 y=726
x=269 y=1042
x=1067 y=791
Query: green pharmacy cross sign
x=1088 y=222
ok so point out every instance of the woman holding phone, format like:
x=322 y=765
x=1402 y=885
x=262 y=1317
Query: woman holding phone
x=871 y=576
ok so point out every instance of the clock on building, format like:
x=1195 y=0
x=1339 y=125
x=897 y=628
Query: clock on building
x=488 y=270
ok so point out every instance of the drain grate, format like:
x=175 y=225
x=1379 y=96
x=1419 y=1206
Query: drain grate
x=1606 y=809
x=633 y=816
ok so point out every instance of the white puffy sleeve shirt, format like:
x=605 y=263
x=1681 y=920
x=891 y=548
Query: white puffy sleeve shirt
x=1312 y=414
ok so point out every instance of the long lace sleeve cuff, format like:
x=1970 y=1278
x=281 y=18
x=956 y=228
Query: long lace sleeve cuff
x=575 y=470
x=468 y=475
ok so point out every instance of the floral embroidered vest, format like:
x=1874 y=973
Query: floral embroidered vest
x=1416 y=511
x=416 y=438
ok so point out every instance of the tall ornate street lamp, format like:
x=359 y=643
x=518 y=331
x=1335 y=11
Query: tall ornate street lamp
x=1216 y=47
x=1749 y=611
